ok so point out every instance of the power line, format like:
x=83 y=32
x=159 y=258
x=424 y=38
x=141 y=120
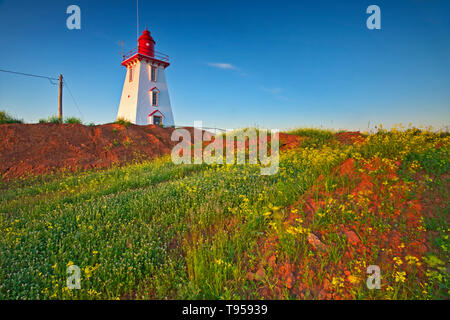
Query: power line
x=31 y=75
x=51 y=81
x=74 y=101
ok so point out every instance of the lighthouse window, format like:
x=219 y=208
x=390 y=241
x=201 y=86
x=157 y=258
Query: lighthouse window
x=154 y=72
x=131 y=74
x=154 y=98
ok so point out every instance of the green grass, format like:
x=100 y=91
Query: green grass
x=122 y=122
x=51 y=119
x=6 y=118
x=316 y=137
x=73 y=120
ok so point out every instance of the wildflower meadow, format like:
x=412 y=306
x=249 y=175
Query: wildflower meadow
x=159 y=230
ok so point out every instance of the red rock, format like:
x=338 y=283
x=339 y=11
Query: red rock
x=315 y=242
x=352 y=237
x=289 y=280
x=36 y=149
x=272 y=260
x=260 y=274
x=326 y=284
x=347 y=167
x=418 y=247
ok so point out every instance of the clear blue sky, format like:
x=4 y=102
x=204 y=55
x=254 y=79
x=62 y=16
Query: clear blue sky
x=291 y=63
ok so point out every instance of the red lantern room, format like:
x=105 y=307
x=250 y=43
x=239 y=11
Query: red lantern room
x=146 y=44
x=146 y=51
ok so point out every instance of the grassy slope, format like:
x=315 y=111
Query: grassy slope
x=158 y=230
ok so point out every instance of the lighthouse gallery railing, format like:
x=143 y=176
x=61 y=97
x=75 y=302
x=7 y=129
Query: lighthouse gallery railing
x=158 y=55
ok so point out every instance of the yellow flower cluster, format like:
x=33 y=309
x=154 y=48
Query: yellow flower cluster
x=225 y=264
x=398 y=261
x=337 y=282
x=90 y=269
x=414 y=166
x=413 y=260
x=296 y=230
x=400 y=276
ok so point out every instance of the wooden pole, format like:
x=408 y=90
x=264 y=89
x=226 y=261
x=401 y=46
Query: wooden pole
x=60 y=98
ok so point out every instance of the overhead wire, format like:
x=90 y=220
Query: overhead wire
x=50 y=79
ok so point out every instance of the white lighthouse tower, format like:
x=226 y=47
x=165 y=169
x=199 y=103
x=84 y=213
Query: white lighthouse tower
x=145 y=96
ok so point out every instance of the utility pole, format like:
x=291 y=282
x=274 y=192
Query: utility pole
x=60 y=98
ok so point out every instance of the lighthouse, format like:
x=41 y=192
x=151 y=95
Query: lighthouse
x=145 y=96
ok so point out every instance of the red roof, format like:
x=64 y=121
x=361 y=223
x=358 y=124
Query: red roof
x=155 y=112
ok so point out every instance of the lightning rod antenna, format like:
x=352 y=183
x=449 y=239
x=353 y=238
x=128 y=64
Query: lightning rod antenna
x=137 y=18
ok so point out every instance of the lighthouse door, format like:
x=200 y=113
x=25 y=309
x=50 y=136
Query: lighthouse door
x=156 y=120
